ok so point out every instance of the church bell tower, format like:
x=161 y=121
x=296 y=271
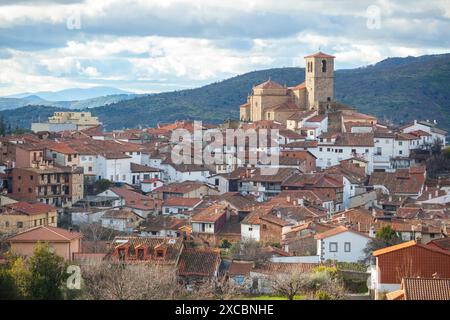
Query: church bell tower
x=319 y=79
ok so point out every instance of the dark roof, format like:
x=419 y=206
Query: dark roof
x=199 y=262
x=141 y=168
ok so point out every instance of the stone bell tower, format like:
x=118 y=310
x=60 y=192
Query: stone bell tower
x=319 y=79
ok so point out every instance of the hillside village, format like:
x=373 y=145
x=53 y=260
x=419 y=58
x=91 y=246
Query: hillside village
x=343 y=179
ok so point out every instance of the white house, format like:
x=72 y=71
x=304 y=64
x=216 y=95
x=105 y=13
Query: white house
x=427 y=126
x=331 y=150
x=148 y=185
x=186 y=172
x=121 y=220
x=341 y=244
x=179 y=206
x=114 y=167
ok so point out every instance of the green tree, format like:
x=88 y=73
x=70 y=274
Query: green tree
x=47 y=274
x=18 y=272
x=384 y=237
x=102 y=185
x=8 y=288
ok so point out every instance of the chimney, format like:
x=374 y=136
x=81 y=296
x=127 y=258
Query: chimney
x=294 y=203
x=436 y=193
x=429 y=196
x=426 y=187
x=372 y=232
x=288 y=198
x=390 y=198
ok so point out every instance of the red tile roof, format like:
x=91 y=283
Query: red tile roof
x=31 y=208
x=320 y=54
x=426 y=289
x=210 y=214
x=199 y=262
x=45 y=234
x=181 y=202
x=240 y=268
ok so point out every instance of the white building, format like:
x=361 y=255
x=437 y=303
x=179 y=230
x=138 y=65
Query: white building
x=427 y=126
x=333 y=149
x=341 y=244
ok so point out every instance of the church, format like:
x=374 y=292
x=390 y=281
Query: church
x=272 y=101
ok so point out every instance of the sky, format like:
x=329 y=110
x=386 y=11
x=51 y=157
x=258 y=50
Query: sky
x=154 y=46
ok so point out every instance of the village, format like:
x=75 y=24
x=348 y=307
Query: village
x=356 y=208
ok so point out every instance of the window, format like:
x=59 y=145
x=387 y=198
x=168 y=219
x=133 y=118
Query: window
x=250 y=229
x=216 y=182
x=320 y=149
x=333 y=247
x=19 y=224
x=54 y=155
x=160 y=253
x=400 y=143
x=30 y=190
x=264 y=227
x=400 y=152
x=167 y=210
x=347 y=247
x=324 y=65
x=19 y=177
x=7 y=224
x=367 y=150
x=90 y=169
x=31 y=177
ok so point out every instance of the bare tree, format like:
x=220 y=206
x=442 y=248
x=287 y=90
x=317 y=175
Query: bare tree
x=218 y=288
x=96 y=233
x=130 y=282
x=287 y=284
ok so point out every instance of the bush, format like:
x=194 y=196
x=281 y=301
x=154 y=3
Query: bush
x=322 y=295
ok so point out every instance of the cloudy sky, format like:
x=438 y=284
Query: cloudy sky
x=161 y=45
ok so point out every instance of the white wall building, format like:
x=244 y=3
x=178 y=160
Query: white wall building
x=341 y=244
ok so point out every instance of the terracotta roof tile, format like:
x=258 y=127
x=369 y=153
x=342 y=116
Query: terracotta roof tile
x=199 y=262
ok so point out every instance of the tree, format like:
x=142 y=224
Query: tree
x=119 y=281
x=47 y=274
x=287 y=284
x=217 y=288
x=249 y=250
x=95 y=232
x=384 y=237
x=102 y=185
x=17 y=270
x=8 y=288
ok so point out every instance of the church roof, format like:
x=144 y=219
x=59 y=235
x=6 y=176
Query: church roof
x=300 y=86
x=269 y=84
x=285 y=106
x=320 y=54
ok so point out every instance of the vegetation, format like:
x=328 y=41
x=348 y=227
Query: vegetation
x=321 y=283
x=42 y=276
x=385 y=237
x=398 y=89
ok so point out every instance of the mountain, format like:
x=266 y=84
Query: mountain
x=13 y=103
x=398 y=89
x=73 y=94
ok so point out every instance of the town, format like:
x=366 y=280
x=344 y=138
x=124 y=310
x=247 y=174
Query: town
x=355 y=208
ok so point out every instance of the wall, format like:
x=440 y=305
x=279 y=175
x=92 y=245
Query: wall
x=357 y=243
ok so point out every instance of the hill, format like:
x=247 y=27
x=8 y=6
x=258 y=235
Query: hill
x=73 y=94
x=398 y=89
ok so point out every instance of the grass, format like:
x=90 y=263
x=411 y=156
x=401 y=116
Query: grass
x=267 y=297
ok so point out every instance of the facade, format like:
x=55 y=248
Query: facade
x=20 y=216
x=408 y=259
x=58 y=186
x=272 y=101
x=341 y=244
x=64 y=242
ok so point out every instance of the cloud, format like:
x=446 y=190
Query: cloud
x=173 y=44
